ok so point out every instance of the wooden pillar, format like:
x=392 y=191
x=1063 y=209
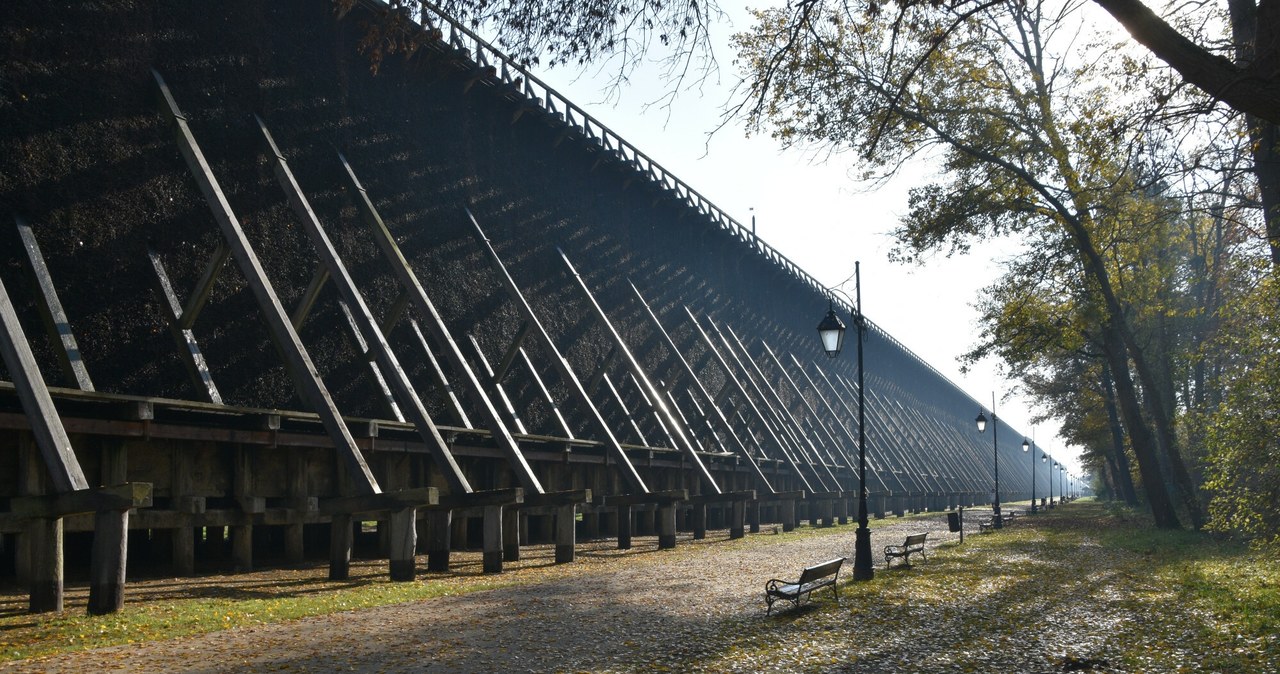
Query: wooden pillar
x=753 y=512
x=493 y=539
x=699 y=521
x=624 y=527
x=403 y=543
x=294 y=543
x=44 y=546
x=737 y=522
x=667 y=526
x=591 y=526
x=109 y=557
x=183 y=538
x=108 y=561
x=438 y=540
x=842 y=509
x=242 y=547
x=788 y=515
x=511 y=535
x=341 y=538
x=566 y=534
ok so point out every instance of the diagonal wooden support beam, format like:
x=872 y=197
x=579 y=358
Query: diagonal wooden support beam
x=319 y=277
x=625 y=409
x=546 y=394
x=509 y=358
x=399 y=267
x=371 y=361
x=298 y=363
x=450 y=395
x=727 y=427
x=188 y=348
x=736 y=383
x=59 y=458
x=204 y=287
x=501 y=392
x=783 y=416
x=567 y=376
x=671 y=424
x=364 y=323
x=813 y=422
x=879 y=471
x=837 y=420
x=55 y=317
x=767 y=398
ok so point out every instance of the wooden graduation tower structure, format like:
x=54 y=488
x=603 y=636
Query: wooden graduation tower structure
x=254 y=295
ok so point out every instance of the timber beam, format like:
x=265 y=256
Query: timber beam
x=102 y=499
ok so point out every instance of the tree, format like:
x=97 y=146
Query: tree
x=1029 y=141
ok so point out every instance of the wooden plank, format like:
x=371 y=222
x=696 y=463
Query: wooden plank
x=116 y=497
x=188 y=348
x=729 y=429
x=417 y=497
x=399 y=267
x=658 y=497
x=557 y=498
x=55 y=317
x=65 y=473
x=558 y=361
x=669 y=421
x=298 y=363
x=508 y=358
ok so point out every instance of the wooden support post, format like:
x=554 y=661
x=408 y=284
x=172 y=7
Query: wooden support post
x=624 y=527
x=109 y=557
x=667 y=526
x=438 y=540
x=403 y=544
x=566 y=534
x=511 y=535
x=493 y=539
x=842 y=508
x=737 y=523
x=789 y=515
x=699 y=521
x=294 y=542
x=754 y=516
x=180 y=485
x=341 y=538
x=189 y=349
x=108 y=561
x=44 y=545
x=242 y=547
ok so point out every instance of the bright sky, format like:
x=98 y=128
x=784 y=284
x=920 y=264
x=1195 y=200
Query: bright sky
x=816 y=215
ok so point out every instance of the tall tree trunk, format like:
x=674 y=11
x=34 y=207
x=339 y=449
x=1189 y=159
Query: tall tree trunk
x=1140 y=436
x=1263 y=135
x=1124 y=480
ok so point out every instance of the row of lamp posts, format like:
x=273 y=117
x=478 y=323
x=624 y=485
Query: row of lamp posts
x=831 y=331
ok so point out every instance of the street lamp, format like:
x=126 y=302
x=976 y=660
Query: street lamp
x=981 y=421
x=1026 y=447
x=831 y=330
x=1062 y=482
x=1045 y=459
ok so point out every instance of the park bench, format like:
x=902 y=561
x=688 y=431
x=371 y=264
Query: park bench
x=812 y=578
x=913 y=545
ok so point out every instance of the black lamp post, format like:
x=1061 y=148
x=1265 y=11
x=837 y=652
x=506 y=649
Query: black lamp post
x=1026 y=447
x=996 y=521
x=1045 y=458
x=1062 y=483
x=831 y=330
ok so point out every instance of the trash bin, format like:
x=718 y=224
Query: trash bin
x=953 y=522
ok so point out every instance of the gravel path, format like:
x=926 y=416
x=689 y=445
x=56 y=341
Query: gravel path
x=611 y=611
